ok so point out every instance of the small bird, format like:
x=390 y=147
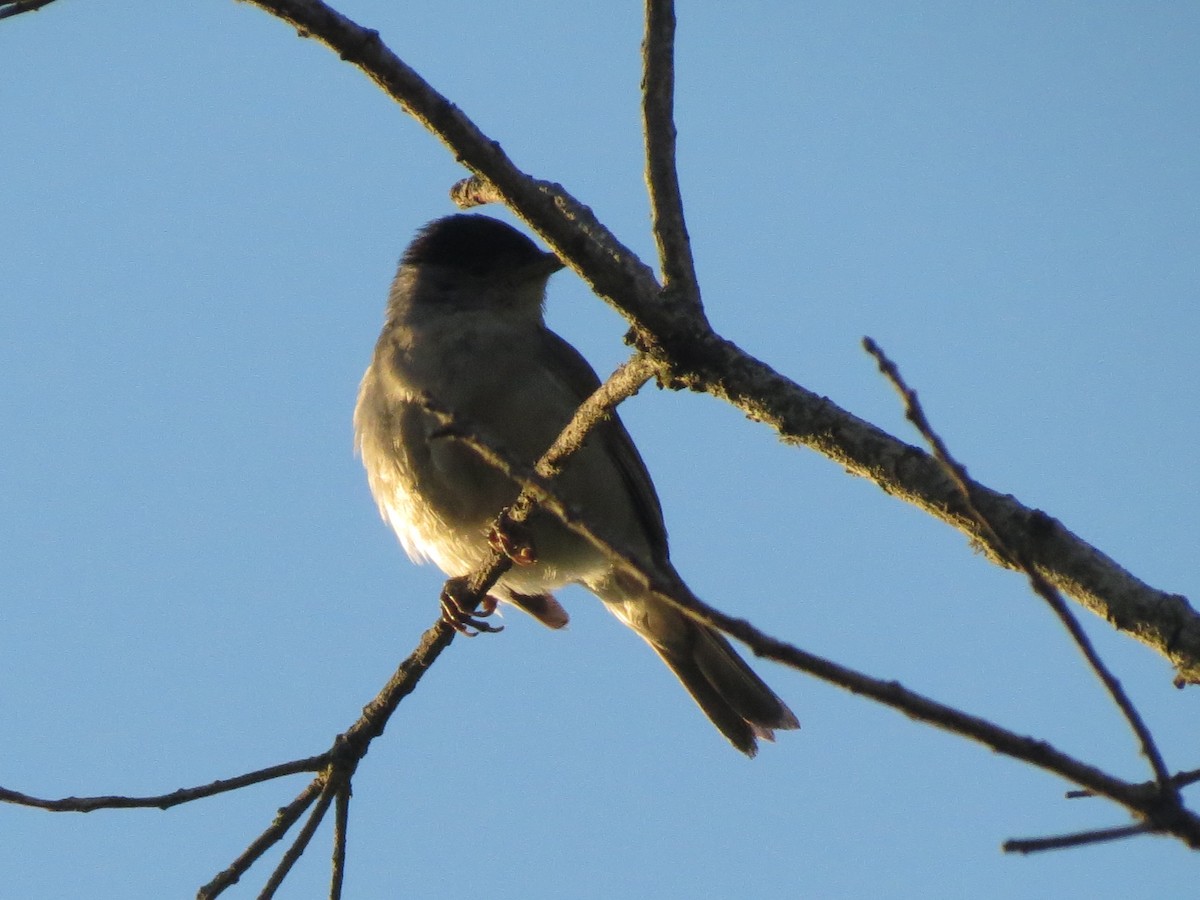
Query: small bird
x=464 y=331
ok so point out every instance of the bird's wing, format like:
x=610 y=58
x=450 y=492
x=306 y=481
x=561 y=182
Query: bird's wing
x=583 y=381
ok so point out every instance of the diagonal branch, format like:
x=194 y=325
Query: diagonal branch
x=301 y=843
x=341 y=760
x=9 y=8
x=284 y=820
x=958 y=474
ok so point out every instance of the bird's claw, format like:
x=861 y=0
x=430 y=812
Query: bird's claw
x=461 y=617
x=514 y=540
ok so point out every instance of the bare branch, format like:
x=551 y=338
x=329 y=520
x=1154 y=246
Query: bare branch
x=916 y=414
x=349 y=748
x=1179 y=779
x=9 y=8
x=166 y=801
x=1164 y=814
x=1062 y=842
x=341 y=825
x=662 y=177
x=301 y=843
x=264 y=842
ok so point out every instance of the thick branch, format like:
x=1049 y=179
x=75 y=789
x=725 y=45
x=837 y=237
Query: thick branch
x=1163 y=621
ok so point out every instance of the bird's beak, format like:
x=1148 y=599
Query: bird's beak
x=552 y=264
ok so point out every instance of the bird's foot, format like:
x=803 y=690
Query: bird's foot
x=514 y=540
x=462 y=617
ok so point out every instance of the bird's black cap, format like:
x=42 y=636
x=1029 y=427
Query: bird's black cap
x=479 y=245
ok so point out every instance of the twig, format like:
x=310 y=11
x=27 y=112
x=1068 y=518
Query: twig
x=349 y=748
x=1062 y=842
x=341 y=824
x=662 y=178
x=916 y=415
x=166 y=801
x=1179 y=779
x=1140 y=801
x=9 y=8
x=283 y=821
x=301 y=843
x=535 y=482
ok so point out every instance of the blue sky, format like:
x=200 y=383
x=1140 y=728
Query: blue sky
x=200 y=217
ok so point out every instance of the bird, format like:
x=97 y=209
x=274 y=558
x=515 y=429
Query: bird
x=464 y=332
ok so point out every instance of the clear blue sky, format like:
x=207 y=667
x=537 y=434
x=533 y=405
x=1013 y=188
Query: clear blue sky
x=199 y=217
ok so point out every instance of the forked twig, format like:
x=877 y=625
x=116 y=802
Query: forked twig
x=300 y=844
x=283 y=821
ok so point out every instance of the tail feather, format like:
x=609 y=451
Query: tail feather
x=735 y=699
x=738 y=702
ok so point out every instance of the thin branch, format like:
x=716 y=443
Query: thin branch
x=341 y=825
x=662 y=176
x=9 y=8
x=301 y=843
x=1062 y=842
x=1138 y=800
x=166 y=801
x=568 y=226
x=341 y=759
x=349 y=748
x=402 y=683
x=1179 y=779
x=916 y=415
x=283 y=821
x=1142 y=802
x=1146 y=804
x=536 y=482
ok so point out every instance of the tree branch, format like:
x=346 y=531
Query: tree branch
x=679 y=346
x=301 y=843
x=1161 y=813
x=662 y=178
x=274 y=833
x=341 y=826
x=698 y=359
x=9 y=8
x=1083 y=838
x=914 y=412
x=166 y=801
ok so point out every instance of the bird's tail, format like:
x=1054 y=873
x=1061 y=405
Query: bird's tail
x=733 y=697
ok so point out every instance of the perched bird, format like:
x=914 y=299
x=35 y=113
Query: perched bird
x=464 y=330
